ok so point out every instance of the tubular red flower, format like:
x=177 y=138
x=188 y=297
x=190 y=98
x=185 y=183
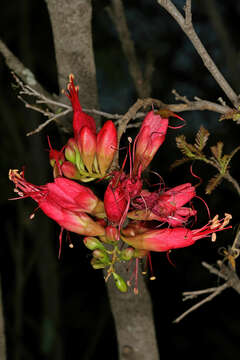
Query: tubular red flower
x=179 y=237
x=115 y=201
x=150 y=137
x=106 y=146
x=74 y=221
x=80 y=118
x=63 y=201
x=118 y=196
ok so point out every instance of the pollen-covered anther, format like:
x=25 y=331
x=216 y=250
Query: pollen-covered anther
x=215 y=223
x=226 y=220
x=213 y=237
x=13 y=174
x=71 y=246
x=152 y=278
x=144 y=272
x=129 y=283
x=32 y=216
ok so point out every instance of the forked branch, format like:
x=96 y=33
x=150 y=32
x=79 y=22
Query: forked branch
x=185 y=22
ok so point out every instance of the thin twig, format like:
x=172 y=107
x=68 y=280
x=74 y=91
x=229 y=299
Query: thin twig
x=18 y=67
x=43 y=125
x=187 y=295
x=187 y=26
x=122 y=120
x=227 y=273
x=217 y=291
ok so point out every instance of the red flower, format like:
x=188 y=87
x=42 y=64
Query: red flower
x=179 y=237
x=165 y=206
x=150 y=137
x=87 y=144
x=106 y=146
x=65 y=202
x=80 y=118
x=115 y=199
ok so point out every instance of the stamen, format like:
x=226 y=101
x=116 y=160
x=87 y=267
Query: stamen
x=60 y=242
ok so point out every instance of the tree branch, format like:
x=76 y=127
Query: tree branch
x=22 y=71
x=186 y=25
x=227 y=273
x=142 y=83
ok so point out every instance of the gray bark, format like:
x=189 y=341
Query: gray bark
x=71 y=25
x=134 y=320
x=72 y=34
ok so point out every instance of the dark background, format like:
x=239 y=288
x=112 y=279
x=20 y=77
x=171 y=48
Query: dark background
x=54 y=308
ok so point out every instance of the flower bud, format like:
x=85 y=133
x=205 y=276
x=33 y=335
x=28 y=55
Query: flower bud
x=150 y=137
x=70 y=150
x=101 y=255
x=127 y=254
x=96 y=264
x=87 y=143
x=115 y=201
x=112 y=233
x=70 y=171
x=72 y=154
x=93 y=243
x=106 y=146
x=120 y=283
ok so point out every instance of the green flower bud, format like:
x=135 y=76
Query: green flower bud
x=96 y=264
x=127 y=254
x=101 y=256
x=93 y=243
x=120 y=283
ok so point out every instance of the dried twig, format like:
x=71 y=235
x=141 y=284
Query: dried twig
x=187 y=26
x=213 y=294
x=122 y=120
x=227 y=273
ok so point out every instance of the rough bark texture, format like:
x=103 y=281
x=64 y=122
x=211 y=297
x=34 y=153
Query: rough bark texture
x=134 y=320
x=71 y=25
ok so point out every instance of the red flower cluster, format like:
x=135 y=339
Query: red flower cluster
x=128 y=212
